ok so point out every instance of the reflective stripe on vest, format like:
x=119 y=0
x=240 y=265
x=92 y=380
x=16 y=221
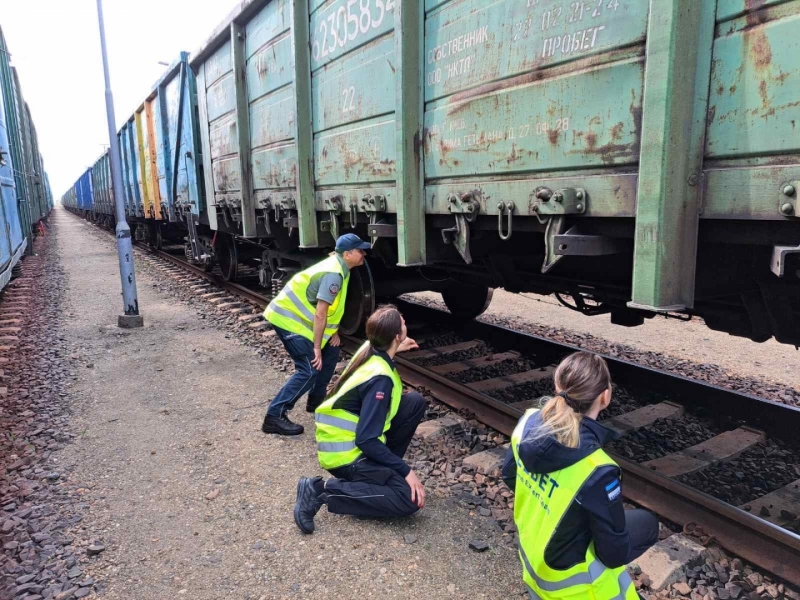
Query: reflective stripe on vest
x=623 y=582
x=540 y=502
x=336 y=428
x=291 y=310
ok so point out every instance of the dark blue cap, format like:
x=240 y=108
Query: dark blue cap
x=350 y=241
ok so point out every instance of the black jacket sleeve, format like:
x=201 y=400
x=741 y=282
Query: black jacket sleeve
x=510 y=470
x=601 y=497
x=376 y=395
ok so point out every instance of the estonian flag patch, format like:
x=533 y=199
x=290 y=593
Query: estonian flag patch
x=613 y=490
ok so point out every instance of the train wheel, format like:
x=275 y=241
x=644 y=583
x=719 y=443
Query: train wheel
x=227 y=256
x=467 y=301
x=360 y=302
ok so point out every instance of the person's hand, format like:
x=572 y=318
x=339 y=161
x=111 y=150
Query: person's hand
x=335 y=341
x=407 y=344
x=417 y=489
x=317 y=362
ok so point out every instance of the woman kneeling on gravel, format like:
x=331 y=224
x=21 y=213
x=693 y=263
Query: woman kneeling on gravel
x=364 y=428
x=575 y=537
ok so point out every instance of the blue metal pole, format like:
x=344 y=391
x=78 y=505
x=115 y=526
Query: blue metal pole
x=130 y=317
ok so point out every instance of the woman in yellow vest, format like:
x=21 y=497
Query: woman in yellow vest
x=363 y=431
x=306 y=316
x=575 y=535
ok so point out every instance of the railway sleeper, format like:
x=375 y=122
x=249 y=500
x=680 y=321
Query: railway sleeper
x=723 y=447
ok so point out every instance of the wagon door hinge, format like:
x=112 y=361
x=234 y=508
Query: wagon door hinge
x=286 y=205
x=266 y=204
x=334 y=207
x=551 y=208
x=465 y=209
x=374 y=206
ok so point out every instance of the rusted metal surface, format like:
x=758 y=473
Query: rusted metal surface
x=472 y=42
x=339 y=92
x=754 y=105
x=357 y=155
x=532 y=129
x=222 y=158
x=269 y=76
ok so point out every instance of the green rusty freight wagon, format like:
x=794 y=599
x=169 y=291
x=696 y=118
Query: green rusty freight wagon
x=633 y=156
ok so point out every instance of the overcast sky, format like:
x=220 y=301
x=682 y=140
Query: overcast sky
x=55 y=45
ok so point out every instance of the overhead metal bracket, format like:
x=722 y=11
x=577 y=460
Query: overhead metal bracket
x=385 y=230
x=555 y=224
x=459 y=237
x=465 y=209
x=778 y=262
x=574 y=243
x=566 y=201
x=265 y=204
x=373 y=206
x=334 y=207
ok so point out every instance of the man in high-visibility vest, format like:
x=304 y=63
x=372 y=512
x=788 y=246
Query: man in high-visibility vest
x=306 y=316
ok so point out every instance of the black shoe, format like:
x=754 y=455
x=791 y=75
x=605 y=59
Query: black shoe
x=281 y=426
x=307 y=505
x=313 y=402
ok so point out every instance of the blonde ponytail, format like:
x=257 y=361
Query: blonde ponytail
x=561 y=422
x=580 y=378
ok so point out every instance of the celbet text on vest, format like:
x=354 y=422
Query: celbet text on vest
x=542 y=481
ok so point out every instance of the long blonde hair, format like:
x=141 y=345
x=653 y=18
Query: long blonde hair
x=580 y=378
x=383 y=326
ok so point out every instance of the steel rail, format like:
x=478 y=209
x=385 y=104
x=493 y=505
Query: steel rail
x=757 y=541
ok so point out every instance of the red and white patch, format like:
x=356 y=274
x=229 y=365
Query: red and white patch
x=333 y=289
x=379 y=395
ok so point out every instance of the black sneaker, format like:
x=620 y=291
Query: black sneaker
x=307 y=505
x=281 y=426
x=312 y=402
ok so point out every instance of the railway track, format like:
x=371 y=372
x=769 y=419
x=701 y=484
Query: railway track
x=479 y=368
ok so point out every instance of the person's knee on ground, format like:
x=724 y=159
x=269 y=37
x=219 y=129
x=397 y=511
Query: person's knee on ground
x=645 y=529
x=417 y=403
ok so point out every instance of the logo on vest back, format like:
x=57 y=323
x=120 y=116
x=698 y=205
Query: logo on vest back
x=613 y=490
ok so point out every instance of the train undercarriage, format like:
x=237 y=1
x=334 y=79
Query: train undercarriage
x=591 y=271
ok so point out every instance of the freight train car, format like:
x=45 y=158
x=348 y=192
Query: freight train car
x=634 y=157
x=25 y=197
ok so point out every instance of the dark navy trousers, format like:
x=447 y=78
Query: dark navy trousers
x=368 y=489
x=306 y=378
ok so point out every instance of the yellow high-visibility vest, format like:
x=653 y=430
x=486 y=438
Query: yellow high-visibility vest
x=336 y=428
x=540 y=502
x=291 y=310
